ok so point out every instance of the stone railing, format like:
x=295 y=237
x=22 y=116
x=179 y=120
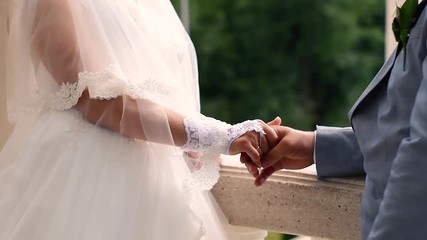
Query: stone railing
x=292 y=202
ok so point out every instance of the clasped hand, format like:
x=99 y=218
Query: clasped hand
x=279 y=148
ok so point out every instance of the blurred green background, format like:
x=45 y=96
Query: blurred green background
x=277 y=236
x=304 y=60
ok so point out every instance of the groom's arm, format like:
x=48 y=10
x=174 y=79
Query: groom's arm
x=337 y=153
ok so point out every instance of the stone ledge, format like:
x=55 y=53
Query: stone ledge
x=292 y=202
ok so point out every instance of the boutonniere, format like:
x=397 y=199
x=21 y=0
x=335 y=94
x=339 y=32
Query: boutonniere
x=403 y=22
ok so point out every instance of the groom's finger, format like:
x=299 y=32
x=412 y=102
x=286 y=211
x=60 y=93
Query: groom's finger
x=270 y=137
x=277 y=121
x=273 y=156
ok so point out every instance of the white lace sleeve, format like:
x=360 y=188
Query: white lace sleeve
x=206 y=134
x=239 y=129
x=212 y=138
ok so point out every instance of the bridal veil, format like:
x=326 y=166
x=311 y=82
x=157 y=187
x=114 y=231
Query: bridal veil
x=64 y=174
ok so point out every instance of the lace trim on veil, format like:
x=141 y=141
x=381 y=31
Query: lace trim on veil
x=107 y=84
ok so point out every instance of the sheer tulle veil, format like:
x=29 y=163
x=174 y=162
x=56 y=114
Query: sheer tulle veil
x=62 y=175
x=147 y=44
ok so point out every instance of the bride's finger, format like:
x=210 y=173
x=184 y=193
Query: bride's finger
x=244 y=158
x=270 y=136
x=265 y=174
x=251 y=167
x=254 y=155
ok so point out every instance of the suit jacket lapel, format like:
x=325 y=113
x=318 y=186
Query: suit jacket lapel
x=382 y=75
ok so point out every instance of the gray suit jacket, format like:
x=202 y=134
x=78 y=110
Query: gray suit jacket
x=388 y=142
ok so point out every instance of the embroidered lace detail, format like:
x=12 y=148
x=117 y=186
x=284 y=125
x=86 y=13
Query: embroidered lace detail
x=209 y=136
x=239 y=129
x=205 y=177
x=108 y=84
x=204 y=133
x=67 y=96
x=212 y=138
x=152 y=87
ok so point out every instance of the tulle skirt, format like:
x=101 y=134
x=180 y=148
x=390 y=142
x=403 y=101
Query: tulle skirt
x=64 y=178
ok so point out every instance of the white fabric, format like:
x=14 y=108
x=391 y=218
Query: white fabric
x=62 y=177
x=205 y=134
x=208 y=134
x=239 y=129
x=212 y=138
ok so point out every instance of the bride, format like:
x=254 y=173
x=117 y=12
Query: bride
x=108 y=141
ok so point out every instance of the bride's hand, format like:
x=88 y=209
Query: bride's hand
x=253 y=146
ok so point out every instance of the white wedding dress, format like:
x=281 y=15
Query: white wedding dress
x=62 y=177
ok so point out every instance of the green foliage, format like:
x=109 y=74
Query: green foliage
x=403 y=23
x=278 y=236
x=304 y=60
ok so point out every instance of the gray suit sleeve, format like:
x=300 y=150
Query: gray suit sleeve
x=403 y=210
x=337 y=152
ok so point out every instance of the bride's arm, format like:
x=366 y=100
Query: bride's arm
x=54 y=40
x=122 y=115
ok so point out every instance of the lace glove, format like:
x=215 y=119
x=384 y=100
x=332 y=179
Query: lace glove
x=212 y=138
x=210 y=135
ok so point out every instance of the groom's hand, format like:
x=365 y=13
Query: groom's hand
x=294 y=150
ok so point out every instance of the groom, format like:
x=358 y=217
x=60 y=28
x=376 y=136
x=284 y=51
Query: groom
x=387 y=142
